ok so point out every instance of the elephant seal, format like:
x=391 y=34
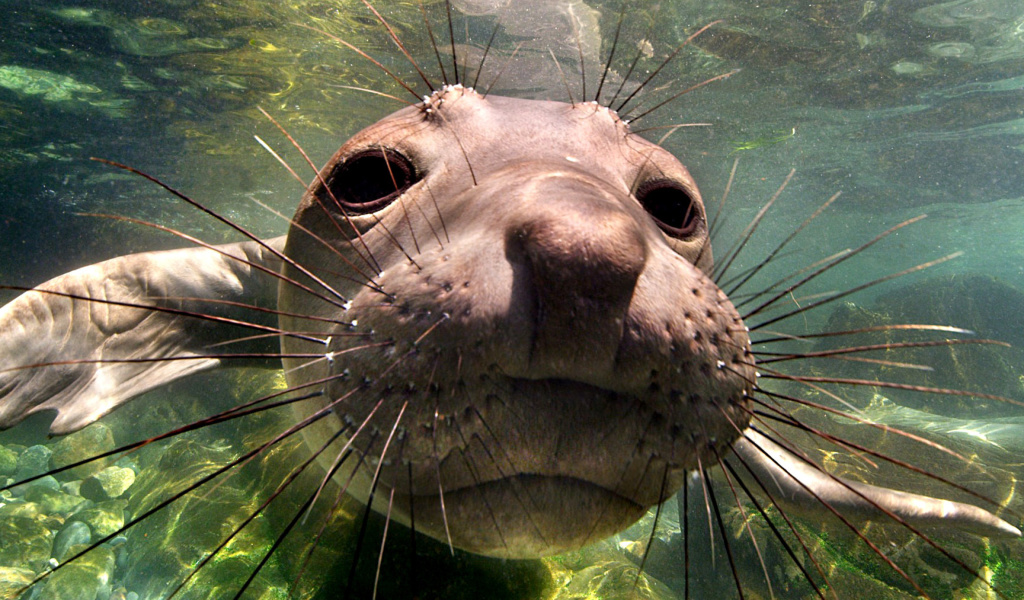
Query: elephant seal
x=504 y=308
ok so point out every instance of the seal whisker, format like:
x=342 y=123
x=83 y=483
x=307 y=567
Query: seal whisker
x=487 y=49
x=772 y=357
x=367 y=279
x=160 y=309
x=440 y=217
x=295 y=472
x=775 y=530
x=501 y=71
x=451 y=39
x=713 y=227
x=369 y=503
x=705 y=484
x=860 y=449
x=368 y=91
x=723 y=267
x=527 y=510
x=771 y=255
x=561 y=74
x=583 y=66
x=237 y=412
x=344 y=452
x=892 y=385
x=200 y=243
x=611 y=53
x=654 y=527
x=725 y=535
x=842 y=257
x=364 y=55
x=683 y=510
x=873 y=328
x=369 y=259
x=827 y=505
x=401 y=46
x=383 y=540
x=677 y=95
x=315 y=542
x=401 y=203
x=168 y=501
x=663 y=64
x=746 y=523
x=878 y=506
x=280 y=255
x=433 y=42
x=745 y=299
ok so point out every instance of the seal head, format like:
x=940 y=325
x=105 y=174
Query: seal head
x=528 y=308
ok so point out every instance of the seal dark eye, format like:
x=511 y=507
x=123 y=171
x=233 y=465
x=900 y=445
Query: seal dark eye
x=671 y=206
x=369 y=180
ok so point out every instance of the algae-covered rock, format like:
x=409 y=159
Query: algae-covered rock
x=86 y=578
x=13 y=580
x=601 y=572
x=90 y=441
x=54 y=501
x=104 y=519
x=8 y=461
x=34 y=461
x=29 y=510
x=74 y=533
x=109 y=483
x=24 y=542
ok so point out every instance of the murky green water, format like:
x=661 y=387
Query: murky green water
x=905 y=107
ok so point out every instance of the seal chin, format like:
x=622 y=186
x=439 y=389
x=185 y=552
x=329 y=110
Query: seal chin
x=525 y=515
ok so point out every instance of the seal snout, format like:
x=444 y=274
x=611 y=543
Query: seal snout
x=584 y=253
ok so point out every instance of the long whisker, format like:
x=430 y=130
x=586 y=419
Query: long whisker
x=787 y=356
x=920 y=535
x=778 y=534
x=677 y=95
x=843 y=257
x=774 y=253
x=664 y=63
x=253 y=514
x=162 y=309
x=504 y=65
x=174 y=498
x=725 y=536
x=487 y=49
x=383 y=540
x=401 y=46
x=730 y=256
x=746 y=524
x=364 y=55
x=369 y=259
x=654 y=527
x=433 y=42
x=229 y=223
x=874 y=548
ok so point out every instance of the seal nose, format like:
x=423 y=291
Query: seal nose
x=584 y=253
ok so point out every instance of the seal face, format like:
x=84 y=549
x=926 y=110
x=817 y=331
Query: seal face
x=527 y=309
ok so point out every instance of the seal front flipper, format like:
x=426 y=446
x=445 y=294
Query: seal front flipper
x=101 y=346
x=801 y=487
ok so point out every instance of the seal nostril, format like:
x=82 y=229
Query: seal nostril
x=367 y=181
x=671 y=206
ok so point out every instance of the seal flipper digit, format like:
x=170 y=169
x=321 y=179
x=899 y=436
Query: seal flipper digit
x=100 y=351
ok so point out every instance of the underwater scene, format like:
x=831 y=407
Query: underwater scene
x=861 y=166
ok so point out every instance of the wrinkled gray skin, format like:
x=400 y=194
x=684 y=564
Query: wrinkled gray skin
x=554 y=362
